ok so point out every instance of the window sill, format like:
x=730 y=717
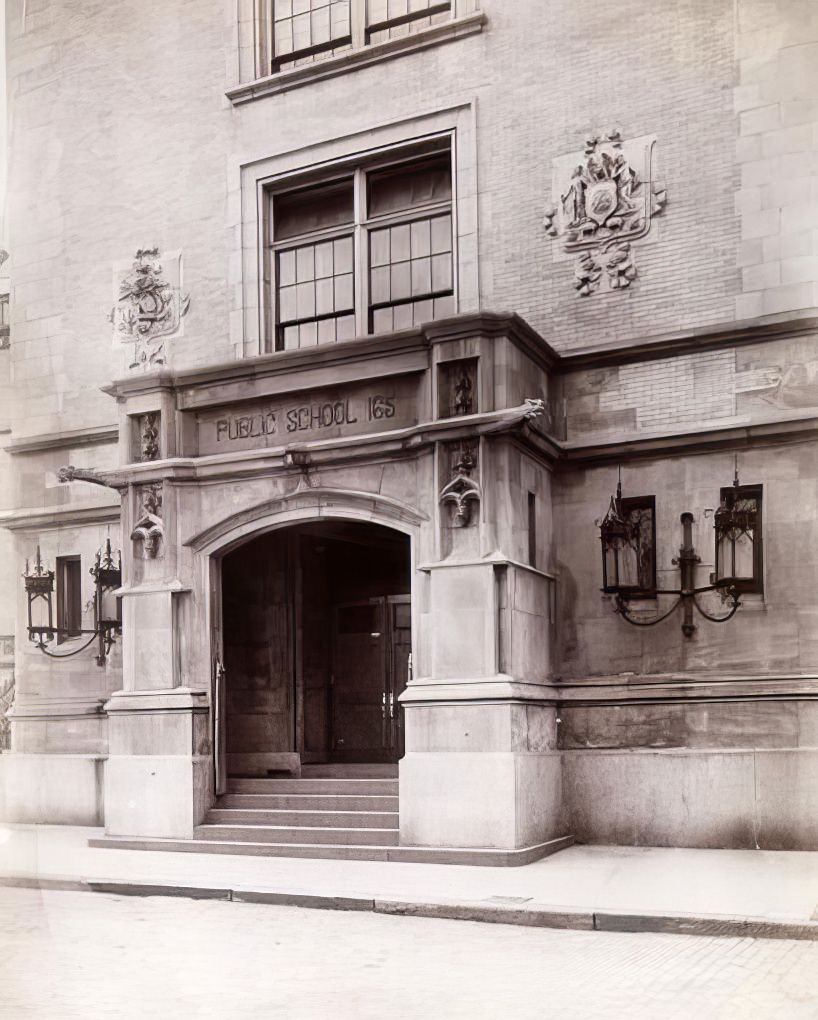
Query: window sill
x=284 y=81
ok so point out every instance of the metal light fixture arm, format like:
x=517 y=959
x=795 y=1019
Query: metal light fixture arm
x=686 y=594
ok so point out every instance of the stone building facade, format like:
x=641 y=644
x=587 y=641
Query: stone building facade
x=342 y=320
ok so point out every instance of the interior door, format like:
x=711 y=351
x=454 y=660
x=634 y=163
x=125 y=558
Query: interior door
x=400 y=644
x=359 y=711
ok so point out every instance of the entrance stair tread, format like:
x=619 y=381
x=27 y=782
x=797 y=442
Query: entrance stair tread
x=408 y=854
x=290 y=817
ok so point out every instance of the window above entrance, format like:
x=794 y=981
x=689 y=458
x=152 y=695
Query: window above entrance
x=284 y=44
x=370 y=250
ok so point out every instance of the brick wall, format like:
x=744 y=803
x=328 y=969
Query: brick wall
x=739 y=386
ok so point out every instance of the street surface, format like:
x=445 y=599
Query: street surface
x=65 y=955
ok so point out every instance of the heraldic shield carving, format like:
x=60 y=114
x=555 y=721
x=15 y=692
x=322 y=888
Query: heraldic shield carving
x=603 y=200
x=149 y=305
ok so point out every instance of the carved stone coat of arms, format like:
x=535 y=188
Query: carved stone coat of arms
x=149 y=304
x=602 y=201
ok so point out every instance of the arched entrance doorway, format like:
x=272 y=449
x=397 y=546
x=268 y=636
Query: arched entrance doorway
x=316 y=644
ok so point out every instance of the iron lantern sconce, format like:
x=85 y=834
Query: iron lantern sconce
x=620 y=537
x=39 y=586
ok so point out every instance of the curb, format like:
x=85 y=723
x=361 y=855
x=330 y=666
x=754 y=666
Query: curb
x=495 y=910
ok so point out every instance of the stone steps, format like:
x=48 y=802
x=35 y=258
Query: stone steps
x=481 y=857
x=296 y=834
x=308 y=802
x=350 y=813
x=328 y=818
x=332 y=786
x=340 y=811
x=344 y=771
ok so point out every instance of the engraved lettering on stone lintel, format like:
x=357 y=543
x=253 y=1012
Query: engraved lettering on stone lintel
x=311 y=417
x=604 y=200
x=462 y=492
x=149 y=531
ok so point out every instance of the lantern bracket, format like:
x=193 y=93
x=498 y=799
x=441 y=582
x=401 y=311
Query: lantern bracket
x=39 y=585
x=687 y=594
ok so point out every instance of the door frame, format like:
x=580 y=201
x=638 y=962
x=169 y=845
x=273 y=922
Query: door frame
x=213 y=543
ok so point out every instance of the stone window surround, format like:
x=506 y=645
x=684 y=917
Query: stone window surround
x=249 y=77
x=254 y=177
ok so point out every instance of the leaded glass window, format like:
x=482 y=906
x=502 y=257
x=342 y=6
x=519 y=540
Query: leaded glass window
x=391 y=19
x=372 y=252
x=306 y=29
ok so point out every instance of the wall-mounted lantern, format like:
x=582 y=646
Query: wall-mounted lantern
x=39 y=586
x=627 y=533
x=738 y=537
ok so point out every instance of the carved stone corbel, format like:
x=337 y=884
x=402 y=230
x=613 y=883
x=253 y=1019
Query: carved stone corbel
x=462 y=492
x=149 y=530
x=69 y=473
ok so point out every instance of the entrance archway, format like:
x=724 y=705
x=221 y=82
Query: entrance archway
x=316 y=637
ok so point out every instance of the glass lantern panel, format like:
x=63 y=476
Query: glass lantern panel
x=743 y=557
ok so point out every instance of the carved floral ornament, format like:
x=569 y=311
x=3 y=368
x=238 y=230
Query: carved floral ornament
x=603 y=200
x=149 y=305
x=148 y=435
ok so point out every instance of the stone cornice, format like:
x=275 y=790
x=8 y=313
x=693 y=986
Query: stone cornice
x=395 y=443
x=629 y=448
x=42 y=519
x=643 y=689
x=689 y=342
x=332 y=67
x=389 y=353
x=99 y=435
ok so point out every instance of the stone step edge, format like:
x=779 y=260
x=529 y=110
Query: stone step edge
x=519 y=911
x=468 y=856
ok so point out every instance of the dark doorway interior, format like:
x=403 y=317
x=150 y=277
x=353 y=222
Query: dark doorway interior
x=317 y=642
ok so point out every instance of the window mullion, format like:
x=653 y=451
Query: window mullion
x=361 y=255
x=357 y=16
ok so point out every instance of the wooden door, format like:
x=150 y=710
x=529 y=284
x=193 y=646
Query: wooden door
x=218 y=688
x=359 y=712
x=400 y=645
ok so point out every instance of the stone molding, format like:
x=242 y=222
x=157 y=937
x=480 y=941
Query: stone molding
x=643 y=689
x=39 y=519
x=738 y=334
x=99 y=435
x=328 y=502
x=332 y=67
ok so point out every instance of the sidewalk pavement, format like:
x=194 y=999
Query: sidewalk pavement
x=759 y=893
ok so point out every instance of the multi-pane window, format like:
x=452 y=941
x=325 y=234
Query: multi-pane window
x=314 y=267
x=390 y=19
x=371 y=252
x=307 y=30
x=410 y=257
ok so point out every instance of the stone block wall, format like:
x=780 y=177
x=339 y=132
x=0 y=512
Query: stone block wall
x=90 y=182
x=777 y=152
